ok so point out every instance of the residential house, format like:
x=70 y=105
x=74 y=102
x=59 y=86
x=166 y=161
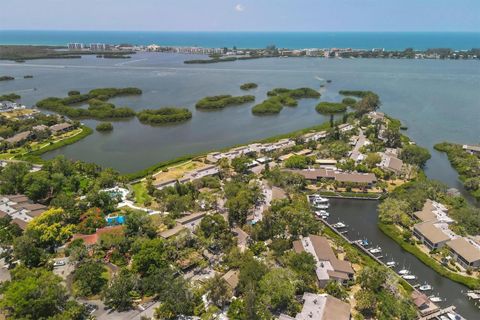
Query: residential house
x=391 y=163
x=321 y=307
x=345 y=127
x=328 y=266
x=61 y=127
x=315 y=175
x=466 y=252
x=93 y=239
x=190 y=221
x=472 y=149
x=314 y=136
x=232 y=278
x=19 y=138
x=430 y=235
x=20 y=209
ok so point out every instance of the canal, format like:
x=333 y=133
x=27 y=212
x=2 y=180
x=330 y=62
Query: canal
x=361 y=218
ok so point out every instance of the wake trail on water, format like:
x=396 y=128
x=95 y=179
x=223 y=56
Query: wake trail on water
x=128 y=62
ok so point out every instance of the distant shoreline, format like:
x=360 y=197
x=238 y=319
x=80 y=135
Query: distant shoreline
x=251 y=39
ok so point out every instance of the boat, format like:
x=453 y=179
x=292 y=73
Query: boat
x=339 y=225
x=375 y=250
x=409 y=277
x=435 y=299
x=391 y=264
x=404 y=272
x=321 y=206
x=425 y=287
x=322 y=213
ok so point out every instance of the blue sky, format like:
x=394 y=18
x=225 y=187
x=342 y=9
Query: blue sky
x=242 y=15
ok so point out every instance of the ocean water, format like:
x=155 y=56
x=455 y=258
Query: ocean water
x=356 y=40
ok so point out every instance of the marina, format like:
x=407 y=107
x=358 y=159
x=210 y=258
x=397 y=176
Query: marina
x=448 y=297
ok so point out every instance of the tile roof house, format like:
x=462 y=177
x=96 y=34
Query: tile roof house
x=328 y=266
x=321 y=307
x=92 y=239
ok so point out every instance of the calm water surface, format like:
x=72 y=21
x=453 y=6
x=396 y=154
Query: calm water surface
x=437 y=100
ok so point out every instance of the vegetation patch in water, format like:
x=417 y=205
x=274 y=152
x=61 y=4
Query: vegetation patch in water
x=164 y=115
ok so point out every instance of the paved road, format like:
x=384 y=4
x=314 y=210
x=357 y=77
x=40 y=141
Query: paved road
x=360 y=142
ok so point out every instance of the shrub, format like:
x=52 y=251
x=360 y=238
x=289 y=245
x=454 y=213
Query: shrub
x=248 y=86
x=104 y=126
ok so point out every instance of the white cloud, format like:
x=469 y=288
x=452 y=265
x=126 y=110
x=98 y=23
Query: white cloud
x=240 y=7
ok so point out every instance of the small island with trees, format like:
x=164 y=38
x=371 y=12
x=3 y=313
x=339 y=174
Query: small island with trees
x=249 y=86
x=280 y=97
x=164 y=115
x=330 y=107
x=222 y=101
x=98 y=107
x=6 y=78
x=104 y=127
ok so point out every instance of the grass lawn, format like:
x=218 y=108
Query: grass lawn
x=141 y=194
x=177 y=171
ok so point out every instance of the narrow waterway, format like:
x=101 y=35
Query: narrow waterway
x=361 y=217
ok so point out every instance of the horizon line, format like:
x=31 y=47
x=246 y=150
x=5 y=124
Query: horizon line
x=245 y=31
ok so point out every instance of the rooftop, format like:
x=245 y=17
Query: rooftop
x=430 y=231
x=465 y=249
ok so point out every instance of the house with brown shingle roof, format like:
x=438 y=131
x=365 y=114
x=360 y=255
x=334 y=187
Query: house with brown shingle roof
x=321 y=307
x=430 y=235
x=328 y=266
x=61 y=127
x=465 y=252
x=20 y=209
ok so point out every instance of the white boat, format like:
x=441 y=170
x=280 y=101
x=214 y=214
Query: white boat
x=404 y=272
x=375 y=250
x=409 y=277
x=339 y=225
x=391 y=264
x=425 y=287
x=435 y=299
x=319 y=199
x=321 y=206
x=322 y=214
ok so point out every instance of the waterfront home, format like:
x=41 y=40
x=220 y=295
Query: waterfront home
x=391 y=163
x=202 y=172
x=315 y=175
x=433 y=210
x=466 y=252
x=279 y=145
x=367 y=179
x=164 y=184
x=20 y=209
x=314 y=136
x=472 y=149
x=19 y=138
x=376 y=116
x=61 y=127
x=345 y=127
x=424 y=306
x=430 y=235
x=321 y=307
x=328 y=266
